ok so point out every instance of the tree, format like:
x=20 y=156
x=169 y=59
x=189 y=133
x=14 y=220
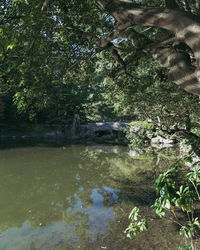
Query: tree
x=179 y=52
x=151 y=97
x=45 y=44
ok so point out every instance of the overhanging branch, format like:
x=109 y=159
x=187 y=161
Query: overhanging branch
x=184 y=27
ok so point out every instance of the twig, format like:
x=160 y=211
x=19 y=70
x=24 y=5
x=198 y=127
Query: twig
x=45 y=5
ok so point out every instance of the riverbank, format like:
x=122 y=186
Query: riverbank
x=100 y=132
x=138 y=135
x=113 y=132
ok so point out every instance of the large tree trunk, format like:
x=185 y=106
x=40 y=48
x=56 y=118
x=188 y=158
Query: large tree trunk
x=184 y=27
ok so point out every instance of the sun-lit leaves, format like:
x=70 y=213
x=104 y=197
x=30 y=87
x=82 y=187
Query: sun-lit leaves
x=59 y=45
x=38 y=50
x=174 y=190
x=137 y=224
x=177 y=200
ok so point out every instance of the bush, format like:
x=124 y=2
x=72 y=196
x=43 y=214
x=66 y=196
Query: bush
x=138 y=134
x=178 y=192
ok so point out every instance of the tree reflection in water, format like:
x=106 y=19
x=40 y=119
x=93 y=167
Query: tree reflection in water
x=71 y=197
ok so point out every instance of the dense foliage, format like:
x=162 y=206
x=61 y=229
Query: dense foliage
x=54 y=66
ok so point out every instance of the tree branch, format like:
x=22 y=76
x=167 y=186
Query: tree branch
x=185 y=28
x=83 y=58
x=117 y=57
x=45 y=5
x=197 y=5
x=186 y=5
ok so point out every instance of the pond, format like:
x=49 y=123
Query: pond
x=79 y=197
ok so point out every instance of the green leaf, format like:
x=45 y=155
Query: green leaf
x=10 y=46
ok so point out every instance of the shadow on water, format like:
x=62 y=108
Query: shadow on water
x=78 y=197
x=15 y=142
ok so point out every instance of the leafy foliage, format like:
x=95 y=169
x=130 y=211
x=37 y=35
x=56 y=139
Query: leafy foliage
x=178 y=191
x=137 y=132
x=52 y=66
x=137 y=225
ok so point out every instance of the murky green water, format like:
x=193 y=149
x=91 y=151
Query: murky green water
x=78 y=197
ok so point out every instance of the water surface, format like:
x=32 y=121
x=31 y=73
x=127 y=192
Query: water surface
x=78 y=197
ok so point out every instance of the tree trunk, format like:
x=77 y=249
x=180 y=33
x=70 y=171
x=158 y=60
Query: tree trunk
x=185 y=30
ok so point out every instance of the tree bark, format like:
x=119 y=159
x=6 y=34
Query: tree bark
x=184 y=27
